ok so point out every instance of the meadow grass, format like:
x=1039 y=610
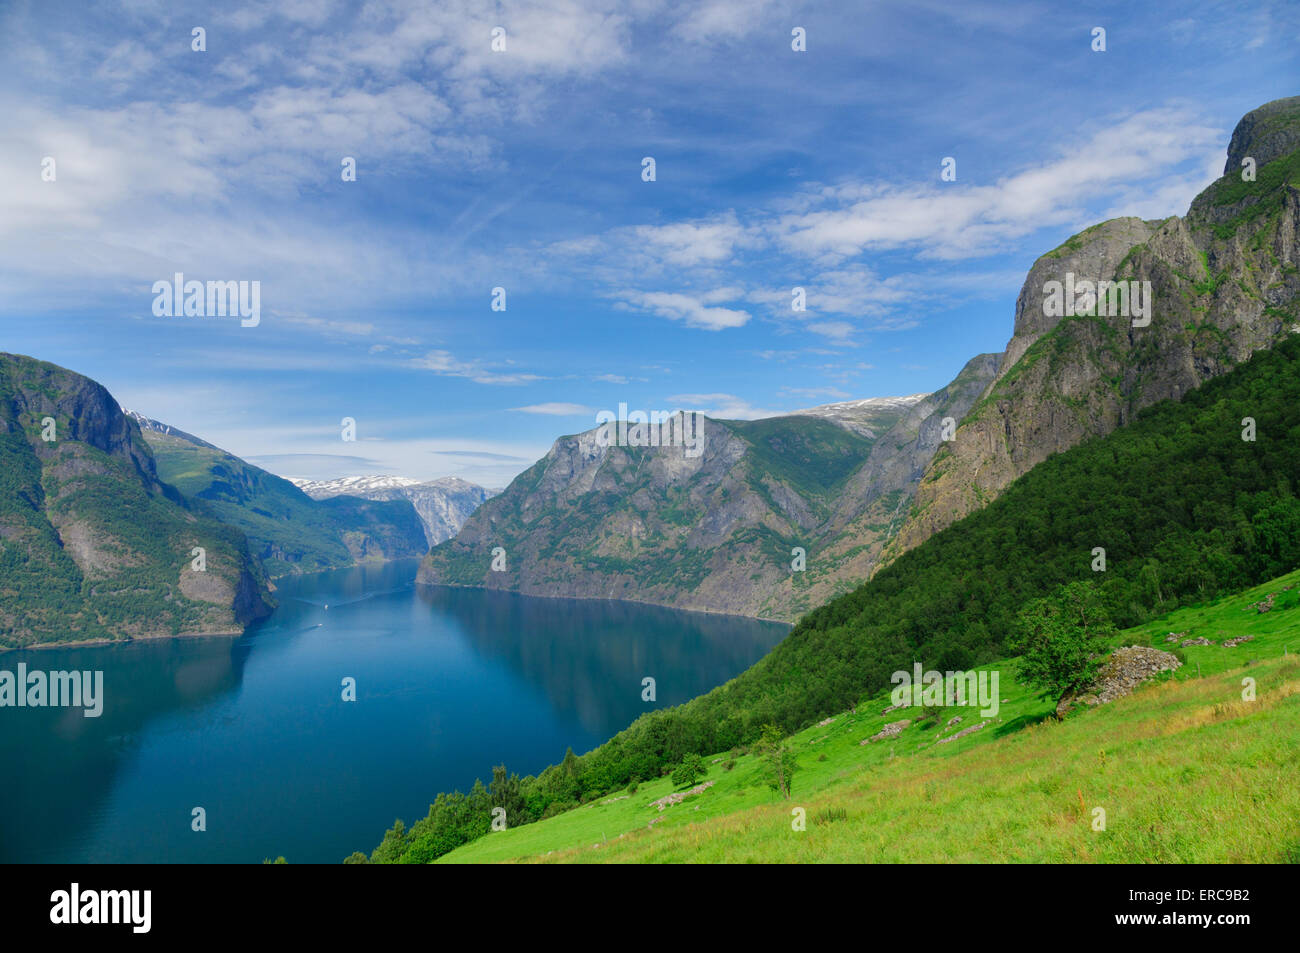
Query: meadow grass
x=1185 y=769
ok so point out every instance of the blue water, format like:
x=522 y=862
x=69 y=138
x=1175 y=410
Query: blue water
x=254 y=730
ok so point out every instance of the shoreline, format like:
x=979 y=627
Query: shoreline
x=93 y=643
x=238 y=633
x=223 y=633
x=639 y=602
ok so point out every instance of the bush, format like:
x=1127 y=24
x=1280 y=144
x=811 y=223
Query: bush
x=689 y=771
x=558 y=807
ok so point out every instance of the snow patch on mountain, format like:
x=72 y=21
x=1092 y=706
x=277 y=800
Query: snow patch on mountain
x=443 y=505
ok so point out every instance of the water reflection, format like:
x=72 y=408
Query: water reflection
x=449 y=682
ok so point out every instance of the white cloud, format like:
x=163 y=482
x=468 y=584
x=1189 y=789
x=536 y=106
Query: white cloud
x=445 y=363
x=690 y=245
x=692 y=310
x=556 y=410
x=723 y=406
x=959 y=220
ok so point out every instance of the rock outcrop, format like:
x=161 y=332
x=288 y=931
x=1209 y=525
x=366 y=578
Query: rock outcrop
x=1223 y=284
x=1124 y=670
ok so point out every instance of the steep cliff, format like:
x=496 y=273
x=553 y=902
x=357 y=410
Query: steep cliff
x=1220 y=282
x=93 y=545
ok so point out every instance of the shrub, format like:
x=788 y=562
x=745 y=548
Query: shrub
x=689 y=771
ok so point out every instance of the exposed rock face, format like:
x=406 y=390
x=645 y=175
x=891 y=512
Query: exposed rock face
x=92 y=544
x=1270 y=132
x=1223 y=280
x=717 y=531
x=443 y=505
x=1125 y=670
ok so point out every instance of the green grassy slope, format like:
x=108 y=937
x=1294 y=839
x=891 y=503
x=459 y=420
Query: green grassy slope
x=287 y=529
x=1185 y=770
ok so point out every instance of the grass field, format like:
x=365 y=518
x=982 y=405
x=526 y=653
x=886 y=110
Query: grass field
x=1185 y=769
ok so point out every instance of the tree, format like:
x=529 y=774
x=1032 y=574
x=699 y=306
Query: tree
x=506 y=791
x=391 y=847
x=1063 y=640
x=777 y=762
x=689 y=771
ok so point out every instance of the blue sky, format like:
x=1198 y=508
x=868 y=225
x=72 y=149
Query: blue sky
x=522 y=169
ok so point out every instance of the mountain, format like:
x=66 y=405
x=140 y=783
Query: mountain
x=351 y=486
x=862 y=416
x=443 y=505
x=93 y=544
x=717 y=531
x=149 y=426
x=1223 y=285
x=286 y=529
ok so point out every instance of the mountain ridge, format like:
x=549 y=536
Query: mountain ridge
x=719 y=532
x=443 y=505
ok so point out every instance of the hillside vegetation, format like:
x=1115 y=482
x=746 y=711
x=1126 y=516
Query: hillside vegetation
x=1022 y=789
x=1186 y=509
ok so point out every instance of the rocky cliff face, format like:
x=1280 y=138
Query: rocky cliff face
x=443 y=505
x=93 y=545
x=772 y=518
x=1222 y=282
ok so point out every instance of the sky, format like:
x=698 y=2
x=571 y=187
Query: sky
x=523 y=169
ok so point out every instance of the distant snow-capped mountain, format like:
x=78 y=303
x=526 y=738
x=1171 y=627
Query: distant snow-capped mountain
x=443 y=505
x=864 y=417
x=351 y=486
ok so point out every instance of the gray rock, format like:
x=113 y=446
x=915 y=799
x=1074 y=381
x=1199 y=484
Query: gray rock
x=1124 y=670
